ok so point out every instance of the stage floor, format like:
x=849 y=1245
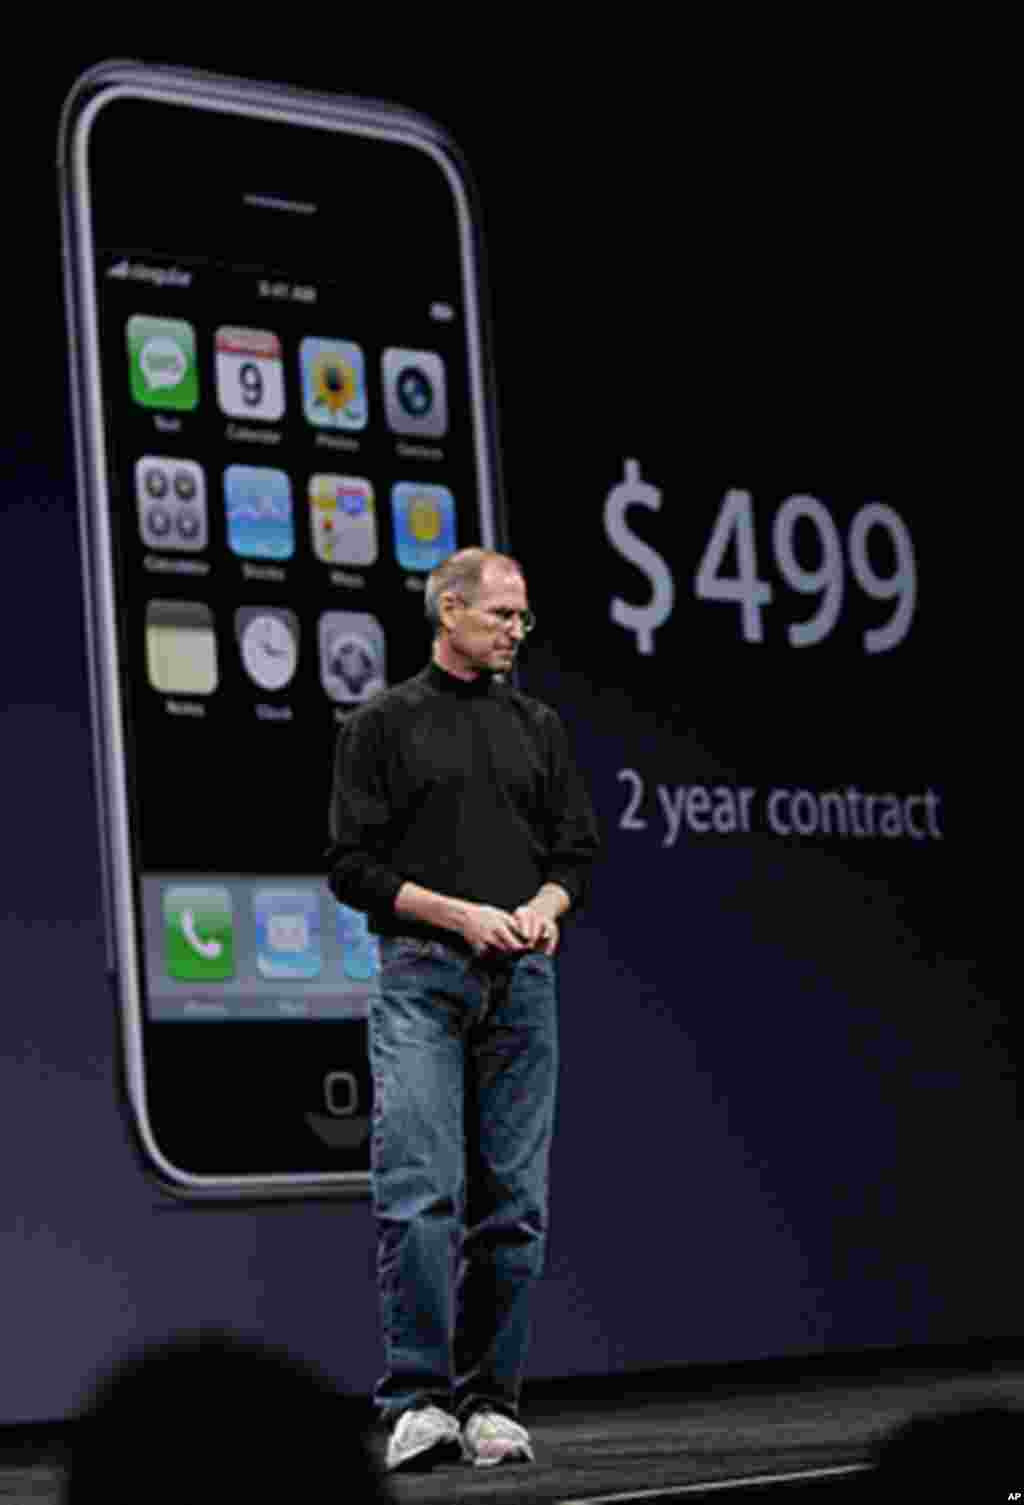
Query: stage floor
x=594 y=1444
x=650 y=1442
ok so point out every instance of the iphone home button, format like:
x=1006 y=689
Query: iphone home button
x=341 y=1094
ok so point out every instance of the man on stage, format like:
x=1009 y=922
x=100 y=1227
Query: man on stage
x=461 y=826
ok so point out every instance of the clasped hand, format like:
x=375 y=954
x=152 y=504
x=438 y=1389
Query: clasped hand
x=526 y=929
x=538 y=930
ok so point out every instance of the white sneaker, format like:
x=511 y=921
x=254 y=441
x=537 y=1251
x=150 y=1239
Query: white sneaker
x=422 y=1437
x=491 y=1437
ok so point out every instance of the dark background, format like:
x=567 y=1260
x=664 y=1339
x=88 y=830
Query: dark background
x=788 y=1121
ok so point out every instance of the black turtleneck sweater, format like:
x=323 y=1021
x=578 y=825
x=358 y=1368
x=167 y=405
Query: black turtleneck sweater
x=465 y=787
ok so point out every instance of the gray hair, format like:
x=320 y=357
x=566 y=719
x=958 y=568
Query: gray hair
x=462 y=572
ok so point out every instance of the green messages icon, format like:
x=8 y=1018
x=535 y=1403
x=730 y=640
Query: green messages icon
x=162 y=362
x=199 y=944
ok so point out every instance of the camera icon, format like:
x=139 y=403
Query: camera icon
x=415 y=393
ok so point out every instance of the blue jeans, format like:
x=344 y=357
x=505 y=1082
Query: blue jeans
x=464 y=1053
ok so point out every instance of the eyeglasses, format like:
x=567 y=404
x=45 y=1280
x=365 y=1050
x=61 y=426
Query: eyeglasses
x=505 y=615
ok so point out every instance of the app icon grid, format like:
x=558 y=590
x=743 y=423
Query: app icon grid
x=259 y=506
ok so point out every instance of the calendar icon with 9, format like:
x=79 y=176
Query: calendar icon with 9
x=250 y=373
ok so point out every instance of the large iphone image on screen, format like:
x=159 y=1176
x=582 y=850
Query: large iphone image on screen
x=284 y=420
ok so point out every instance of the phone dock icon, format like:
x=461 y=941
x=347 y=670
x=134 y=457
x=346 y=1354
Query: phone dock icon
x=198 y=935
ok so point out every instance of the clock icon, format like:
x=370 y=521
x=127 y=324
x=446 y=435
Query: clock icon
x=268 y=639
